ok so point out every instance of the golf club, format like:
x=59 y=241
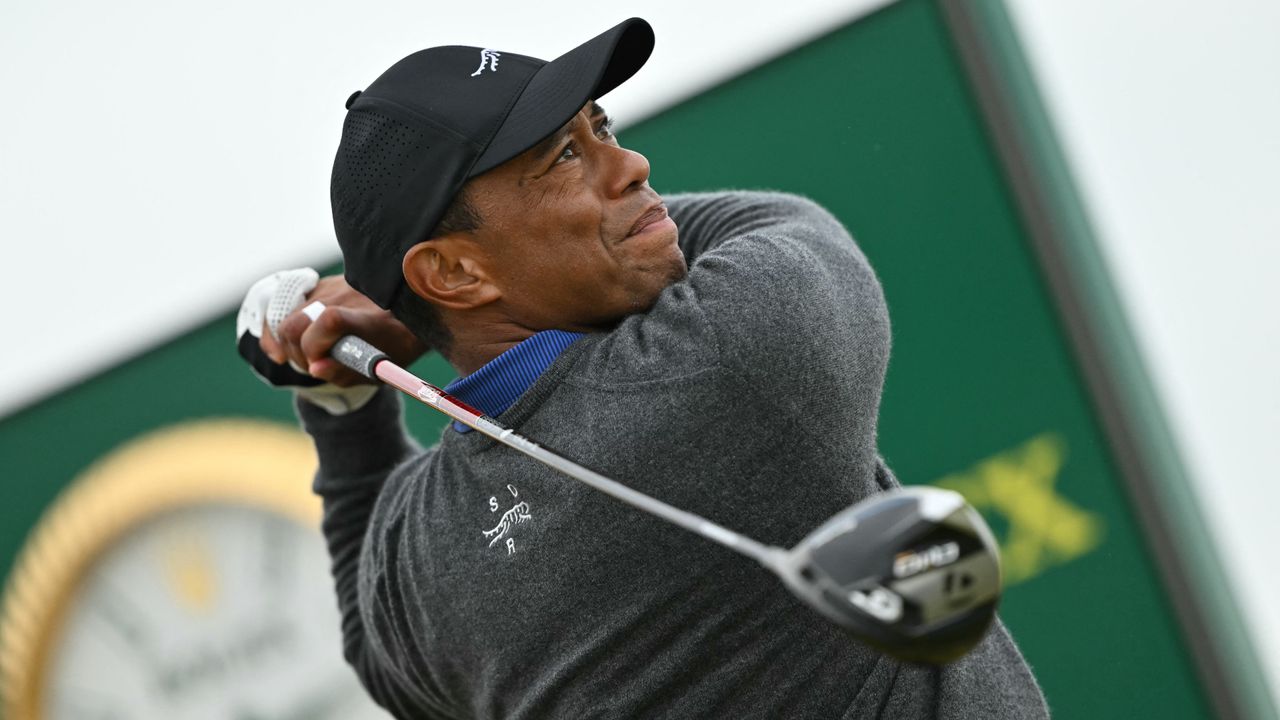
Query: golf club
x=914 y=572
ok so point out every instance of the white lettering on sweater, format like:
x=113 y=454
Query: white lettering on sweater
x=516 y=515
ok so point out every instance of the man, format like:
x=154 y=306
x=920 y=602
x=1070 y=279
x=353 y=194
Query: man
x=722 y=352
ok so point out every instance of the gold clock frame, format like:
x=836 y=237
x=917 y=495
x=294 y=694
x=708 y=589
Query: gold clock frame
x=232 y=461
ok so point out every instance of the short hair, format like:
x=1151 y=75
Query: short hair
x=416 y=313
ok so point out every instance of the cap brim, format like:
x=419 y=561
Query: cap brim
x=561 y=87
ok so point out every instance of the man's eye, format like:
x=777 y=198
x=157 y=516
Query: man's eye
x=606 y=131
x=568 y=153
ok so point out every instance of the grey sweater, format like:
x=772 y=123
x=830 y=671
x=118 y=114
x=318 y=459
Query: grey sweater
x=476 y=583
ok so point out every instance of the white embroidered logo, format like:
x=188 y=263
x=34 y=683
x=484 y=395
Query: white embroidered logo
x=487 y=57
x=516 y=515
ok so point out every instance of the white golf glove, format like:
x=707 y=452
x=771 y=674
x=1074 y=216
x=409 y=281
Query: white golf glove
x=267 y=304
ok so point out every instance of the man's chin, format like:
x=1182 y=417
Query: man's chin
x=677 y=272
x=674 y=272
x=643 y=300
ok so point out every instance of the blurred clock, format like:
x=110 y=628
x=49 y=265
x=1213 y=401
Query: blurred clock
x=182 y=577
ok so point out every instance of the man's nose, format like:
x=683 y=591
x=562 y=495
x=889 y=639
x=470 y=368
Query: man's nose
x=629 y=170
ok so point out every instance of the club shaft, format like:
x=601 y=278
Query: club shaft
x=425 y=392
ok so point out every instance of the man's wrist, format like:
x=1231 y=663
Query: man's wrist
x=338 y=400
x=362 y=441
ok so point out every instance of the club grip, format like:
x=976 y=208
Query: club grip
x=357 y=355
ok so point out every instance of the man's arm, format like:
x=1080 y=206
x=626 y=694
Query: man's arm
x=708 y=220
x=358 y=455
x=793 y=302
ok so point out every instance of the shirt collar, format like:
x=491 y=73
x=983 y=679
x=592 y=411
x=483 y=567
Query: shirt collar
x=501 y=381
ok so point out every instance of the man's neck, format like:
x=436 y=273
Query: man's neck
x=484 y=334
x=479 y=340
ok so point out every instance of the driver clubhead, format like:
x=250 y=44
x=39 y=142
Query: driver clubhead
x=913 y=572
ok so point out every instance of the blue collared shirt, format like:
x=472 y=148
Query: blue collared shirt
x=498 y=383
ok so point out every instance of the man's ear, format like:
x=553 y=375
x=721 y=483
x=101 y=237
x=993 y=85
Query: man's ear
x=450 y=271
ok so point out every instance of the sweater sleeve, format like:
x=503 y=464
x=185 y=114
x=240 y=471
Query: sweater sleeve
x=362 y=459
x=795 y=306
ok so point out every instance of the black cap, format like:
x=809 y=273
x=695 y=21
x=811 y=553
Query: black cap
x=442 y=116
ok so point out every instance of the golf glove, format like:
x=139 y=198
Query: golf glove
x=266 y=305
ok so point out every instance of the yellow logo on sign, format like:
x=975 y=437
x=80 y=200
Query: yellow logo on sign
x=1044 y=528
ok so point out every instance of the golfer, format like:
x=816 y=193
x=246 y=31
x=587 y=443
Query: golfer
x=722 y=352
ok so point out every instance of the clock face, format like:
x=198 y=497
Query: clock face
x=219 y=611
